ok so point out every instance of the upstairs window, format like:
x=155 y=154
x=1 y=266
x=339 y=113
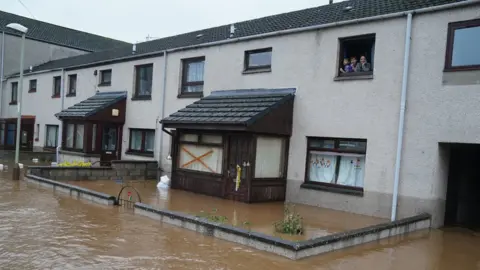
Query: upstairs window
x=14 y=93
x=72 y=85
x=192 y=77
x=258 y=60
x=143 y=81
x=463 y=43
x=57 y=84
x=32 y=86
x=356 y=56
x=105 y=77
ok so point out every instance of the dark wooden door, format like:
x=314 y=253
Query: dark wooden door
x=26 y=136
x=239 y=147
x=110 y=144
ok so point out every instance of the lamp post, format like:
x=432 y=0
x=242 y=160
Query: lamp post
x=22 y=29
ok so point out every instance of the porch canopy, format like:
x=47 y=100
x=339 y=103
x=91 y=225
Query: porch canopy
x=104 y=106
x=252 y=110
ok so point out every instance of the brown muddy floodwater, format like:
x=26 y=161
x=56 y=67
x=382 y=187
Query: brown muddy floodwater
x=43 y=230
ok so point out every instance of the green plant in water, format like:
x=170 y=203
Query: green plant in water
x=212 y=216
x=292 y=222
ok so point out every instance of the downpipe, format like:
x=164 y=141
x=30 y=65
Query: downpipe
x=401 y=122
x=60 y=128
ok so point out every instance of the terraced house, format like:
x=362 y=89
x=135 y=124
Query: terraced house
x=44 y=42
x=267 y=109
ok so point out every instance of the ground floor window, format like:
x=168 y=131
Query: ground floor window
x=201 y=152
x=270 y=157
x=142 y=140
x=336 y=161
x=75 y=133
x=51 y=136
x=11 y=134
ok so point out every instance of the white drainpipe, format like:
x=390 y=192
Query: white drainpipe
x=60 y=128
x=162 y=110
x=2 y=73
x=401 y=122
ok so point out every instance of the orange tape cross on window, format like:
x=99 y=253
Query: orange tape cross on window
x=197 y=159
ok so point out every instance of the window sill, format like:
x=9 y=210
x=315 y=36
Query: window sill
x=32 y=91
x=50 y=149
x=353 y=78
x=254 y=71
x=141 y=98
x=71 y=95
x=141 y=154
x=12 y=103
x=104 y=84
x=334 y=188
x=56 y=96
x=78 y=153
x=190 y=95
x=458 y=69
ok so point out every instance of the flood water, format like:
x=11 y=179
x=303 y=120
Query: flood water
x=43 y=230
x=258 y=217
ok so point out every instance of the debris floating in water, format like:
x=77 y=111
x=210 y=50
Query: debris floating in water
x=35 y=160
x=164 y=182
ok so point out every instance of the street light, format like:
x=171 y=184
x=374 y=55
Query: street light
x=22 y=29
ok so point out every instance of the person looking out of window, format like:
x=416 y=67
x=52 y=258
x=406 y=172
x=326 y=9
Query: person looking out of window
x=346 y=66
x=363 y=66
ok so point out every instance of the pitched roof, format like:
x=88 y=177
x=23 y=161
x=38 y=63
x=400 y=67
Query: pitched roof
x=59 y=35
x=297 y=19
x=92 y=105
x=231 y=107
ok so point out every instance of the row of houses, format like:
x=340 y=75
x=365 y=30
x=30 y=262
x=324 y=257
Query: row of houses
x=262 y=110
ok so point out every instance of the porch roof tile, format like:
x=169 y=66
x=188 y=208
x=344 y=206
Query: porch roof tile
x=92 y=105
x=230 y=107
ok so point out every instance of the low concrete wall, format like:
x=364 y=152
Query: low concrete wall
x=289 y=249
x=74 y=191
x=43 y=156
x=121 y=169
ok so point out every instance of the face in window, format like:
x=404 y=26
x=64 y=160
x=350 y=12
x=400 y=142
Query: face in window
x=354 y=61
x=363 y=60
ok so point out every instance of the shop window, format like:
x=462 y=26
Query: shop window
x=75 y=134
x=142 y=141
x=270 y=157
x=338 y=163
x=51 y=136
x=203 y=153
x=192 y=77
x=356 y=56
x=463 y=41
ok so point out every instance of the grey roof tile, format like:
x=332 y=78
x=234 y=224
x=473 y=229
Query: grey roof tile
x=296 y=19
x=239 y=107
x=92 y=105
x=59 y=35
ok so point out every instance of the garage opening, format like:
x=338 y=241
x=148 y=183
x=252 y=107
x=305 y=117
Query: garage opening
x=463 y=188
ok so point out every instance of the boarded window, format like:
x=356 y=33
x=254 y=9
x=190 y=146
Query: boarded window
x=200 y=158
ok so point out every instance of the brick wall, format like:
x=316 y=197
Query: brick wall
x=121 y=169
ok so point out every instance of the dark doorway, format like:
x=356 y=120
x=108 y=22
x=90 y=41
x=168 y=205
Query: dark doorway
x=463 y=200
x=109 y=144
x=238 y=155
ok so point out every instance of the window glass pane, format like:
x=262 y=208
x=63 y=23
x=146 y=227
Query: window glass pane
x=351 y=171
x=200 y=158
x=73 y=84
x=189 y=137
x=355 y=146
x=269 y=157
x=466 y=43
x=94 y=136
x=259 y=59
x=52 y=135
x=79 y=137
x=192 y=88
x=195 y=71
x=149 y=141
x=136 y=140
x=106 y=76
x=24 y=137
x=11 y=134
x=322 y=167
x=326 y=144
x=70 y=130
x=211 y=138
x=109 y=142
x=144 y=80
x=2 y=134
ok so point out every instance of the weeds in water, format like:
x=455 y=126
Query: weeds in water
x=212 y=216
x=292 y=222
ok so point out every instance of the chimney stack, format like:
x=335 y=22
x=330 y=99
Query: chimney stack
x=134 y=48
x=330 y=2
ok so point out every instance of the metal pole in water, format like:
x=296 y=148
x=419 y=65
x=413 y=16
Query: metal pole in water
x=16 y=170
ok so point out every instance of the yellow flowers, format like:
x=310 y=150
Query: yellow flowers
x=75 y=164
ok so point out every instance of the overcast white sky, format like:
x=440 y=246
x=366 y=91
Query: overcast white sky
x=134 y=20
